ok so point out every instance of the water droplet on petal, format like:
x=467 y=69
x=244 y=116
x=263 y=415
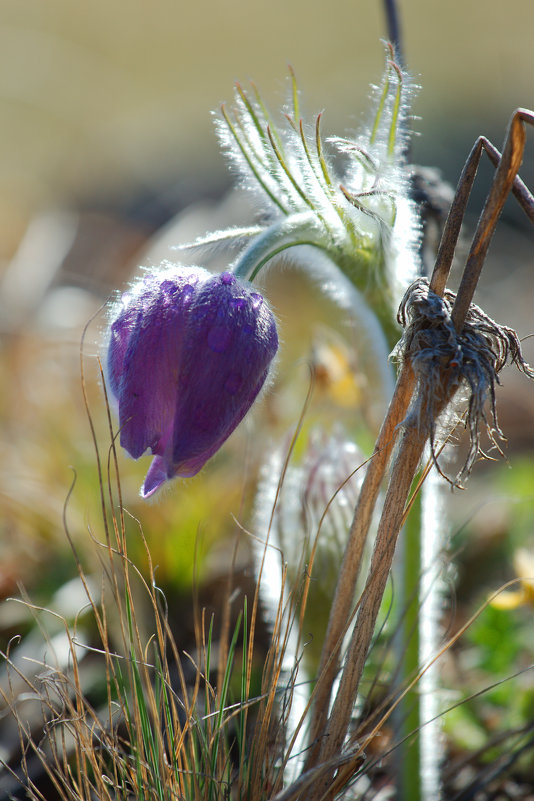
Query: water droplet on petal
x=186 y=294
x=227 y=278
x=238 y=303
x=257 y=300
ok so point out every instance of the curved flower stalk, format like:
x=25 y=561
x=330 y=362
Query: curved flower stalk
x=188 y=354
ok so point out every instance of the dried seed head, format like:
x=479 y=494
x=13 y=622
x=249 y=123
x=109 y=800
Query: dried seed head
x=445 y=361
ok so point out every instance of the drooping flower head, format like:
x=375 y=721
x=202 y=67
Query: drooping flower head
x=188 y=353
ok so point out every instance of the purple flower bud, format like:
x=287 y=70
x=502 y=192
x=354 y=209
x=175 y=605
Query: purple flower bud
x=188 y=353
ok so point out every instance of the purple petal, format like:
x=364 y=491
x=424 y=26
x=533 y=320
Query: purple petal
x=121 y=331
x=156 y=476
x=229 y=344
x=189 y=352
x=150 y=367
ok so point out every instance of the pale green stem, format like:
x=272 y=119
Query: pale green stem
x=298 y=229
x=433 y=523
x=407 y=717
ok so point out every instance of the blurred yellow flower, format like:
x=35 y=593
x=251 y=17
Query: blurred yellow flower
x=336 y=372
x=524 y=568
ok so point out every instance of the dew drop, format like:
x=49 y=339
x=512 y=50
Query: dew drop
x=238 y=303
x=186 y=294
x=257 y=300
x=227 y=278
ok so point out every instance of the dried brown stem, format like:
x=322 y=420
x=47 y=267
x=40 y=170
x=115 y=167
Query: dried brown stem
x=519 y=189
x=343 y=602
x=328 y=735
x=412 y=440
x=512 y=156
x=451 y=232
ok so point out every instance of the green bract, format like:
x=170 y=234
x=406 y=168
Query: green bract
x=348 y=197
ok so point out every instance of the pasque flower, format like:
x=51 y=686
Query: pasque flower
x=188 y=353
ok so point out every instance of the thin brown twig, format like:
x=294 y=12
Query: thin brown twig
x=512 y=156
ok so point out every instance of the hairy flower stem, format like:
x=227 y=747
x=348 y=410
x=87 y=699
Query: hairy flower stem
x=410 y=615
x=304 y=229
x=294 y=231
